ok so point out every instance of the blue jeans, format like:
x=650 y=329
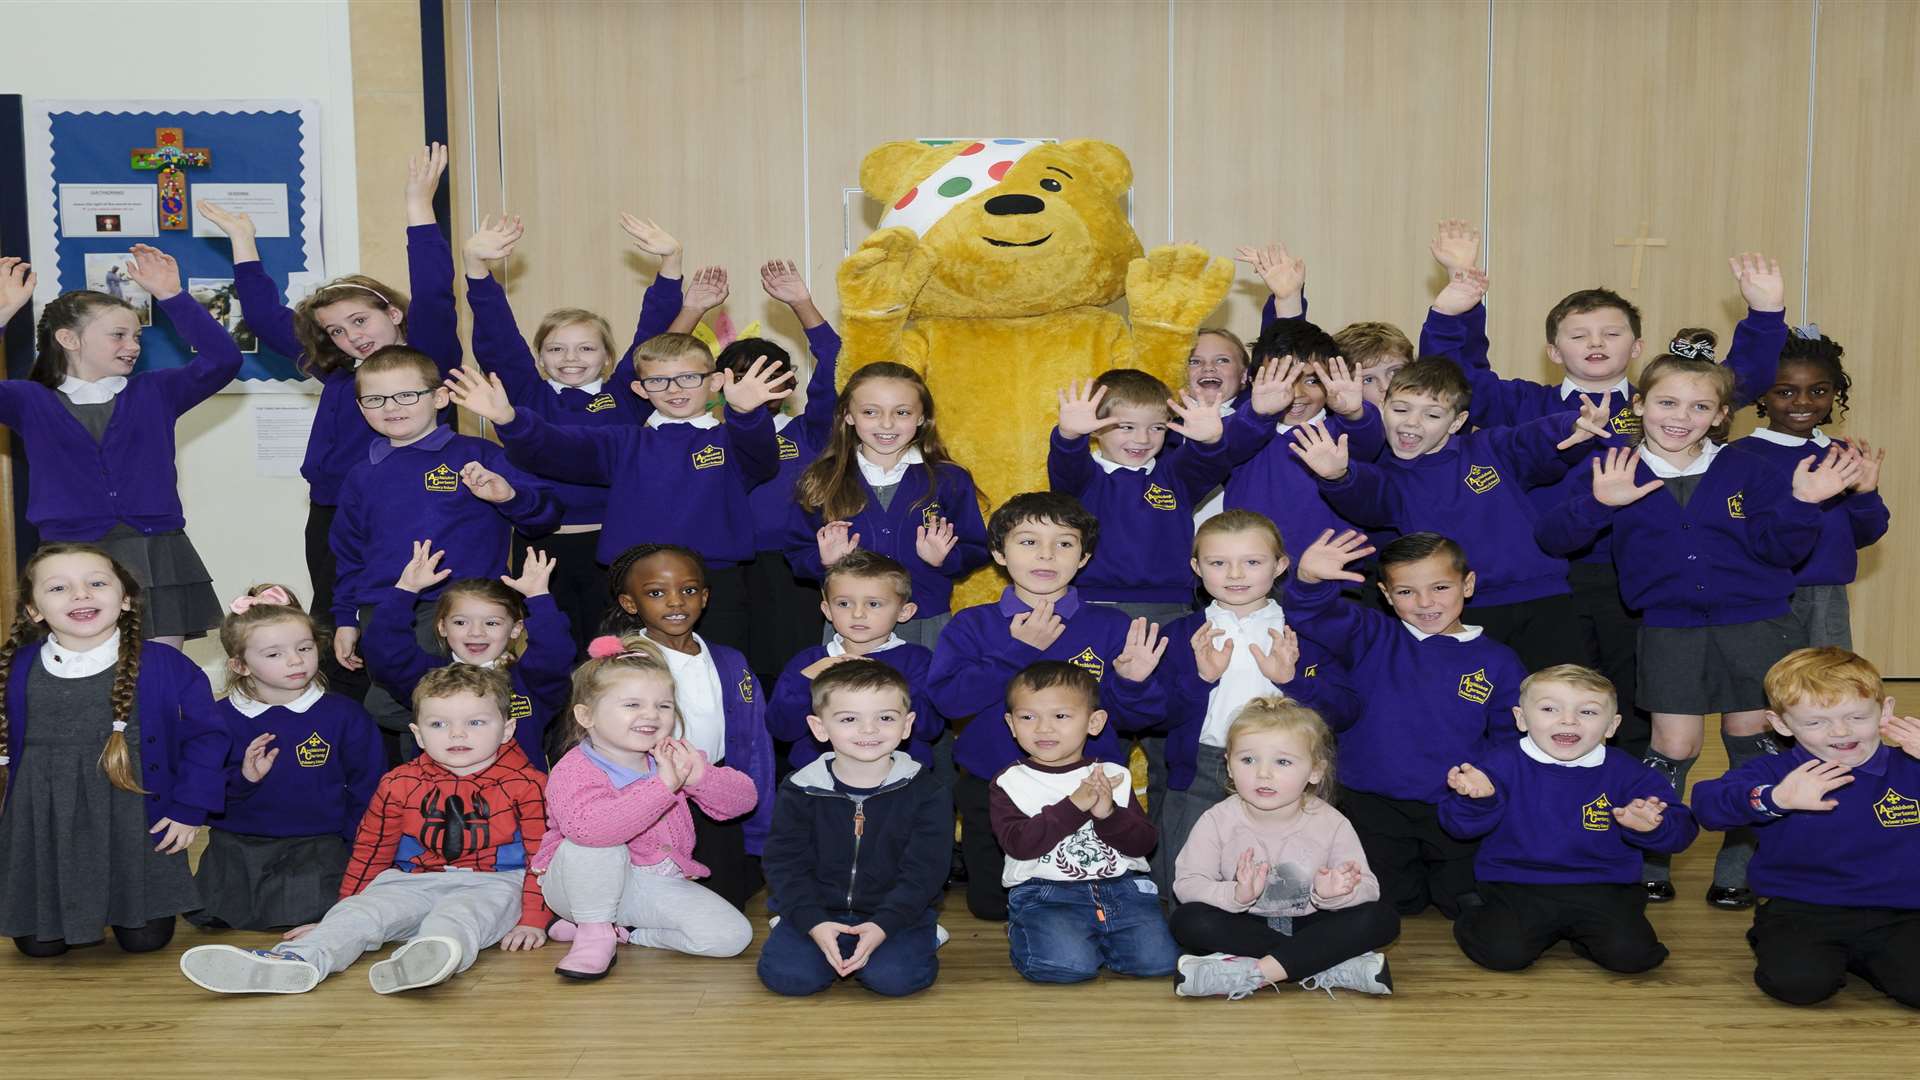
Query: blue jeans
x=1065 y=932
x=791 y=964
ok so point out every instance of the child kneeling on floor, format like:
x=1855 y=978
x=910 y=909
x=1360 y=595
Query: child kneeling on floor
x=440 y=862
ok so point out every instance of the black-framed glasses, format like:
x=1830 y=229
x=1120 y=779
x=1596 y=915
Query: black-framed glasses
x=404 y=397
x=686 y=380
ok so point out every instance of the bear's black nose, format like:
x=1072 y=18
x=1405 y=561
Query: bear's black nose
x=1014 y=204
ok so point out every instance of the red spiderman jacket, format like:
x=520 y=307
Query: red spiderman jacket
x=424 y=818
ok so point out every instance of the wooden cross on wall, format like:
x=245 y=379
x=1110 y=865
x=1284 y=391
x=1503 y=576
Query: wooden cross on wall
x=168 y=155
x=1639 y=244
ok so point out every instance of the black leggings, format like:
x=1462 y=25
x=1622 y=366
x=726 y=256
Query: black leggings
x=733 y=875
x=986 y=897
x=579 y=584
x=134 y=939
x=1317 y=942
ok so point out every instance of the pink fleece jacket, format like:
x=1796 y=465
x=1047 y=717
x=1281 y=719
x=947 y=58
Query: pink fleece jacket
x=584 y=808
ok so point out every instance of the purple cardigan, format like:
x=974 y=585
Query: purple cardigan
x=81 y=488
x=183 y=743
x=749 y=747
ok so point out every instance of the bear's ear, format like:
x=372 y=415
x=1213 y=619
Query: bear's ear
x=1109 y=165
x=890 y=169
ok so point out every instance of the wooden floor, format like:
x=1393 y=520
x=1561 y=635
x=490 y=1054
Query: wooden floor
x=99 y=1013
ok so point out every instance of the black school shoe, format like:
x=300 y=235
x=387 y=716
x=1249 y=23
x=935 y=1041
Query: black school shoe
x=1658 y=892
x=1730 y=899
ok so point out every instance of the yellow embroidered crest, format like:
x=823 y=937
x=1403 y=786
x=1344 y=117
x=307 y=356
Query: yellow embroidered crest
x=1896 y=811
x=1476 y=687
x=1160 y=498
x=1482 y=479
x=1625 y=422
x=519 y=707
x=788 y=448
x=708 y=457
x=929 y=514
x=1737 y=505
x=312 y=752
x=601 y=403
x=746 y=687
x=1597 y=815
x=1089 y=661
x=443 y=479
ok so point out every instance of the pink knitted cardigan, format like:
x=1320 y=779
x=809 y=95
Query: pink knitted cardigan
x=584 y=808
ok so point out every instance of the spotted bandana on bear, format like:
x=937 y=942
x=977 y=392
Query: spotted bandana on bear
x=979 y=166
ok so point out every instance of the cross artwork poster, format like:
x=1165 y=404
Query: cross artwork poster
x=221 y=302
x=107 y=273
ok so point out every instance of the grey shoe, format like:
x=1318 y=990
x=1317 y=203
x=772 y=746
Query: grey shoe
x=1218 y=975
x=225 y=969
x=421 y=962
x=1366 y=973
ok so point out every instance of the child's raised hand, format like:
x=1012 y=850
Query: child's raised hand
x=344 y=639
x=1762 y=285
x=812 y=671
x=17 y=280
x=175 y=836
x=1271 y=392
x=486 y=485
x=827 y=936
x=424 y=170
x=1334 y=882
x=1463 y=290
x=1467 y=779
x=1837 y=471
x=1871 y=459
x=258 y=759
x=1456 y=245
x=495 y=238
x=782 y=281
x=1142 y=654
x=523 y=939
x=1613 y=478
x=835 y=540
x=767 y=380
x=667 y=765
x=1281 y=659
x=706 y=289
x=1286 y=276
x=1039 y=628
x=536 y=572
x=1249 y=878
x=483 y=395
x=1324 y=454
x=933 y=541
x=1200 y=421
x=1641 y=815
x=1080 y=409
x=1326 y=559
x=1211 y=659
x=1901 y=731
x=648 y=236
x=1591 y=423
x=155 y=271
x=1342 y=387
x=1806 y=787
x=422 y=572
x=237 y=225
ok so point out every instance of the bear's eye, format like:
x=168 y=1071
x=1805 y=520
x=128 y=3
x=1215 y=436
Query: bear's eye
x=1050 y=184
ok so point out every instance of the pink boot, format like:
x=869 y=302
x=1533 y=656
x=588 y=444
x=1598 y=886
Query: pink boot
x=592 y=953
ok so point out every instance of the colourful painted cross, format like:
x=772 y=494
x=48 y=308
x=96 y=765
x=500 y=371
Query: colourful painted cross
x=168 y=156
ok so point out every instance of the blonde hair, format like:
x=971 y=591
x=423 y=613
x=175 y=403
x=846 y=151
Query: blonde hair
x=1238 y=521
x=664 y=348
x=1228 y=336
x=1132 y=387
x=489 y=684
x=636 y=655
x=235 y=628
x=559 y=318
x=1282 y=715
x=1575 y=676
x=1365 y=344
x=1821 y=676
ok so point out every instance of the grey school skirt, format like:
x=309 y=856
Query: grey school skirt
x=176 y=597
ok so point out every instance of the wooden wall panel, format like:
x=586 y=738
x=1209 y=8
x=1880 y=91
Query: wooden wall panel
x=1344 y=130
x=388 y=125
x=1865 y=217
x=1689 y=117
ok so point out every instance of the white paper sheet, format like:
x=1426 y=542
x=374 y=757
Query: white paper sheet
x=108 y=210
x=265 y=203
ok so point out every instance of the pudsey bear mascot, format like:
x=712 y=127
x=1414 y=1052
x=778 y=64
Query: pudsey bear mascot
x=990 y=274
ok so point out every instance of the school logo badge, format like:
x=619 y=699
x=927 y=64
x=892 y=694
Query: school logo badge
x=1624 y=422
x=1312 y=670
x=1737 y=505
x=1160 y=498
x=1896 y=811
x=1597 y=815
x=443 y=479
x=1476 y=687
x=788 y=448
x=1089 y=661
x=312 y=752
x=746 y=687
x=709 y=457
x=1482 y=479
x=519 y=707
x=601 y=403
x=929 y=514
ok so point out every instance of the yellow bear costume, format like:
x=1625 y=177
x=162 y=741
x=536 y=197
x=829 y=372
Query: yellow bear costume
x=990 y=275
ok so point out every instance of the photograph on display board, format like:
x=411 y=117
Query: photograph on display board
x=218 y=297
x=107 y=273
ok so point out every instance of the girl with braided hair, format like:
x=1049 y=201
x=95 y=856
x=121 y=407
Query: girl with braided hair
x=114 y=759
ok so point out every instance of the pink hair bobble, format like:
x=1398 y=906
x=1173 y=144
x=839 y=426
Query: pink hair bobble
x=604 y=646
x=272 y=594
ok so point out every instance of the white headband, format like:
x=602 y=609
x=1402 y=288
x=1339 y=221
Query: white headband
x=981 y=165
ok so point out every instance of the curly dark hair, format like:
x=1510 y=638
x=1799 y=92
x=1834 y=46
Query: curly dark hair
x=1823 y=354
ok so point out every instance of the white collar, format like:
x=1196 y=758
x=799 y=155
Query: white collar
x=1665 y=470
x=703 y=420
x=250 y=708
x=1314 y=419
x=838 y=646
x=589 y=389
x=1226 y=409
x=1465 y=633
x=82 y=392
x=1568 y=388
x=1264 y=617
x=675 y=656
x=876 y=476
x=68 y=664
x=1818 y=438
x=1111 y=467
x=1592 y=759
